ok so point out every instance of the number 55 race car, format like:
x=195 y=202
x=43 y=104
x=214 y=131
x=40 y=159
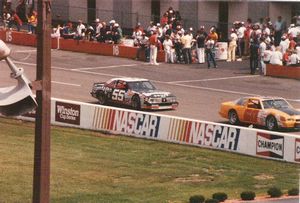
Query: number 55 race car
x=273 y=113
x=135 y=92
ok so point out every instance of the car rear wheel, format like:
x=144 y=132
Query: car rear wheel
x=271 y=123
x=233 y=117
x=136 y=103
x=102 y=99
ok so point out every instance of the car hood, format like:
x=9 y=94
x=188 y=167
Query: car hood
x=289 y=111
x=156 y=93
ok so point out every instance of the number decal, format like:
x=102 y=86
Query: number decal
x=9 y=36
x=118 y=95
x=116 y=50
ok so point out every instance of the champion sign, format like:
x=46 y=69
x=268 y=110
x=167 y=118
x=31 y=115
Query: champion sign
x=214 y=135
x=136 y=123
x=297 y=150
x=270 y=145
x=67 y=113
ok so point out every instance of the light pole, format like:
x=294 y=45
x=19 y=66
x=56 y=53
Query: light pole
x=41 y=176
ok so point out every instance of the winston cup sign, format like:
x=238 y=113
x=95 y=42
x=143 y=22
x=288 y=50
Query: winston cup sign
x=67 y=113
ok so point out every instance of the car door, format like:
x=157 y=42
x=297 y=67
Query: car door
x=118 y=93
x=253 y=107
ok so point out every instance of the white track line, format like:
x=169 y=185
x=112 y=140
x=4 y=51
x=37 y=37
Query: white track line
x=25 y=51
x=213 y=79
x=104 y=67
x=64 y=83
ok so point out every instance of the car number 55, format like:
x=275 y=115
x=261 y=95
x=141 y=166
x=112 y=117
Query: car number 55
x=118 y=95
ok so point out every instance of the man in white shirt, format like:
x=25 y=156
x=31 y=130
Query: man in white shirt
x=276 y=57
x=284 y=44
x=169 y=51
x=80 y=30
x=240 y=35
x=262 y=49
x=232 y=46
x=186 y=41
x=294 y=59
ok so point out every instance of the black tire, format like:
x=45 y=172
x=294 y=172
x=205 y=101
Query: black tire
x=102 y=99
x=233 y=117
x=136 y=103
x=271 y=123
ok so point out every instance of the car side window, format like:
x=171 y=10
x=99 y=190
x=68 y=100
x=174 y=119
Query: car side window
x=254 y=104
x=121 y=85
x=112 y=84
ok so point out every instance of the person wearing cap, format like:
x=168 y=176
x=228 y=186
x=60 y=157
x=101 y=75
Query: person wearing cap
x=276 y=57
x=200 y=38
x=294 y=59
x=153 y=41
x=178 y=46
x=284 y=43
x=143 y=46
x=168 y=48
x=98 y=27
x=116 y=33
x=232 y=46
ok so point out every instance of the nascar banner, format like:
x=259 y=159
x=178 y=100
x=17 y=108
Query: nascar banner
x=248 y=141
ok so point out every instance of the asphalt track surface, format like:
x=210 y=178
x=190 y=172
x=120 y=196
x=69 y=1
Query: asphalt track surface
x=199 y=90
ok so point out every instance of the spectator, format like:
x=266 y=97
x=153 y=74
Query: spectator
x=153 y=48
x=15 y=20
x=284 y=43
x=164 y=20
x=103 y=31
x=178 y=46
x=80 y=31
x=186 y=42
x=21 y=10
x=116 y=33
x=32 y=22
x=240 y=34
x=143 y=46
x=294 y=59
x=169 y=51
x=254 y=46
x=201 y=37
x=292 y=43
x=213 y=34
x=262 y=49
x=98 y=27
x=232 y=46
x=247 y=36
x=209 y=46
x=279 y=27
x=276 y=57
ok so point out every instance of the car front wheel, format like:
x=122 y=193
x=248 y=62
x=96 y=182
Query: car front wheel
x=136 y=103
x=271 y=123
x=102 y=99
x=233 y=117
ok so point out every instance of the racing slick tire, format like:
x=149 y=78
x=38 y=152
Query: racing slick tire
x=271 y=123
x=136 y=103
x=102 y=99
x=233 y=117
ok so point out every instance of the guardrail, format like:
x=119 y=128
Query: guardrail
x=247 y=141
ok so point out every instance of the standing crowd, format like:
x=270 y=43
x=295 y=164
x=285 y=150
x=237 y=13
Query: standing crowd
x=263 y=42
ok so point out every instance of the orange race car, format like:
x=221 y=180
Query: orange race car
x=271 y=112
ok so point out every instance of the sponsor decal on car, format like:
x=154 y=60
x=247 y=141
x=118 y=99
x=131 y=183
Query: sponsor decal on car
x=67 y=113
x=204 y=134
x=297 y=150
x=269 y=145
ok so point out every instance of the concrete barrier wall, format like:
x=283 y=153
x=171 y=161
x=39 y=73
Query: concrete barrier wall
x=84 y=46
x=248 y=141
x=283 y=71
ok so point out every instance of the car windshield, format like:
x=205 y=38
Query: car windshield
x=275 y=103
x=141 y=86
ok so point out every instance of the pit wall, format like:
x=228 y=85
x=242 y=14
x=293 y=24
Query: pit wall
x=283 y=71
x=247 y=141
x=84 y=46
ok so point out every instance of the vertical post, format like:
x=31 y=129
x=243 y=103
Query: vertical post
x=41 y=176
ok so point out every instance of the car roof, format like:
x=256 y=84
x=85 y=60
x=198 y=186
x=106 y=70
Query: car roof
x=130 y=79
x=263 y=97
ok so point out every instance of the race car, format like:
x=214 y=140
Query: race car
x=135 y=92
x=271 y=112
